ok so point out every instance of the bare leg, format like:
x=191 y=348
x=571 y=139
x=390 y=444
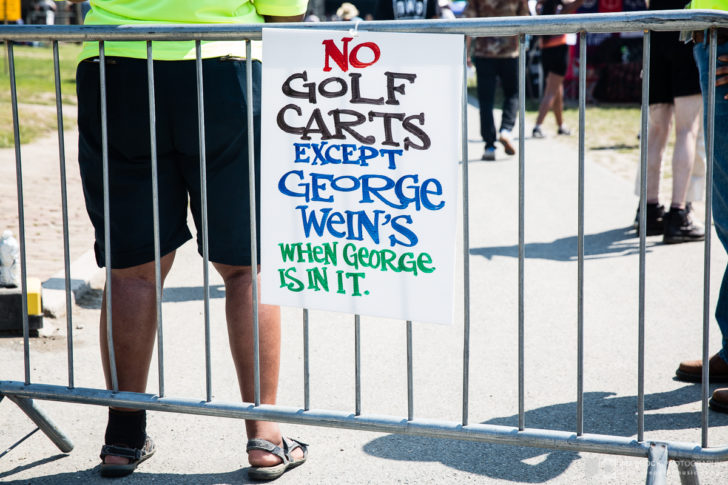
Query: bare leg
x=687 y=124
x=696 y=188
x=553 y=83
x=558 y=106
x=134 y=320
x=239 y=313
x=658 y=130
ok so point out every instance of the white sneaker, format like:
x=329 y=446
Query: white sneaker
x=507 y=142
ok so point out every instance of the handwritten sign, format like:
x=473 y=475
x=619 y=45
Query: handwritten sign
x=360 y=151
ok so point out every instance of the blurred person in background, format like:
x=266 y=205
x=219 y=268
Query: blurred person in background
x=495 y=58
x=674 y=92
x=348 y=12
x=407 y=10
x=555 y=62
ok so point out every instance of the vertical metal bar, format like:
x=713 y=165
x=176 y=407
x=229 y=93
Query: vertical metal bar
x=521 y=232
x=643 y=233
x=580 y=240
x=466 y=243
x=710 y=146
x=357 y=364
x=107 y=213
x=306 y=368
x=64 y=213
x=253 y=218
x=203 y=197
x=410 y=375
x=522 y=43
x=155 y=211
x=657 y=464
x=21 y=213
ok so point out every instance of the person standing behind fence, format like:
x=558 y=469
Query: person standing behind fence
x=130 y=201
x=674 y=90
x=555 y=62
x=691 y=371
x=496 y=58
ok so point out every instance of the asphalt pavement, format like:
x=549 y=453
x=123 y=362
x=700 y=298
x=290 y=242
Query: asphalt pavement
x=209 y=450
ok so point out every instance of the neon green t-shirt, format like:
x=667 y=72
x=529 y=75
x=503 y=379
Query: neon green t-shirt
x=151 y=12
x=710 y=4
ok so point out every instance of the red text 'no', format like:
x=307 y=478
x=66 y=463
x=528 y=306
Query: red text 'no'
x=343 y=58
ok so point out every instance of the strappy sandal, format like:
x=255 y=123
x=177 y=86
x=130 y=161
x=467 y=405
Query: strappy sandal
x=285 y=454
x=134 y=455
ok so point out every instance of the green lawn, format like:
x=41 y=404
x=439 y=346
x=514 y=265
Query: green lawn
x=36 y=91
x=608 y=127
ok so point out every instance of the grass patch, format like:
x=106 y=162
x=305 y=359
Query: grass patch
x=33 y=124
x=35 y=85
x=608 y=127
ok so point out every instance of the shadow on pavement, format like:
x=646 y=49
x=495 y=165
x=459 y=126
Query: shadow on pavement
x=92 y=299
x=615 y=242
x=19 y=469
x=621 y=146
x=92 y=475
x=139 y=477
x=603 y=414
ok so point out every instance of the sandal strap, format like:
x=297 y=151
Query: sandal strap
x=265 y=445
x=133 y=454
x=121 y=451
x=290 y=444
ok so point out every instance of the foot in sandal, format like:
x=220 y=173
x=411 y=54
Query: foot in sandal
x=120 y=461
x=275 y=459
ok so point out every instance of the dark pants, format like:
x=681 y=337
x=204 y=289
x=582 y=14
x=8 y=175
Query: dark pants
x=720 y=172
x=178 y=157
x=487 y=70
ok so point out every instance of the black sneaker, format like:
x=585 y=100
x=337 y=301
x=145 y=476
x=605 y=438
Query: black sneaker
x=564 y=130
x=655 y=224
x=680 y=227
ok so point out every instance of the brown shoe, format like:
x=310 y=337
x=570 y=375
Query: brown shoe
x=507 y=143
x=692 y=371
x=719 y=401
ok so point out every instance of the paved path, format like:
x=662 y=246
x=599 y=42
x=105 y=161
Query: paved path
x=205 y=450
x=41 y=171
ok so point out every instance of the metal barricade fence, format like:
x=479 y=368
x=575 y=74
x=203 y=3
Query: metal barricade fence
x=686 y=454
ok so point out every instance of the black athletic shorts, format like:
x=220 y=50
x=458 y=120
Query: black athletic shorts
x=673 y=71
x=555 y=59
x=178 y=156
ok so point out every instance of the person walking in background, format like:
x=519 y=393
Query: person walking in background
x=133 y=274
x=674 y=91
x=692 y=371
x=496 y=58
x=554 y=60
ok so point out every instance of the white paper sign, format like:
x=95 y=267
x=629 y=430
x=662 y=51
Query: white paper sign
x=360 y=152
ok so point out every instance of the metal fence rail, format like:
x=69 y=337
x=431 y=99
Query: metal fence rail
x=23 y=393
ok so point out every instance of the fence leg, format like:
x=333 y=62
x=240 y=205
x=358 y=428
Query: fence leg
x=657 y=464
x=688 y=472
x=44 y=423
